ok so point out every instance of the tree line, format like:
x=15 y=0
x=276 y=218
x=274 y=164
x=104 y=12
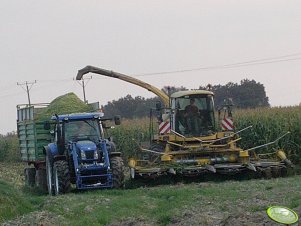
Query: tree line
x=246 y=94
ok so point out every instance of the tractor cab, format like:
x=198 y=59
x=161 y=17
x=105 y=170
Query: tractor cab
x=78 y=127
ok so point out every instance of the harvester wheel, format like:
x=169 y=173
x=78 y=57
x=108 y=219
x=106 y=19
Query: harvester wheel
x=49 y=174
x=275 y=172
x=117 y=166
x=41 y=180
x=61 y=177
x=267 y=173
x=30 y=174
x=155 y=158
x=284 y=172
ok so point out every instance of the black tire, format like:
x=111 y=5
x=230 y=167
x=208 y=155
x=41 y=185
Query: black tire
x=111 y=147
x=153 y=157
x=117 y=167
x=41 y=180
x=61 y=177
x=267 y=173
x=276 y=172
x=30 y=174
x=49 y=173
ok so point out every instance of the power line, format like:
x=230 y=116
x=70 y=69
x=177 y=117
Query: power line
x=27 y=88
x=225 y=66
x=283 y=58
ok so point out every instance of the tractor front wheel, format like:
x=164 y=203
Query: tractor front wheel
x=61 y=177
x=49 y=174
x=117 y=166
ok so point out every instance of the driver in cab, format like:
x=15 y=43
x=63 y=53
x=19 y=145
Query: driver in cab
x=75 y=130
x=191 y=109
x=192 y=118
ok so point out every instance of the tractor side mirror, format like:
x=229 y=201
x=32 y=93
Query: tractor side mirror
x=158 y=106
x=117 y=120
x=47 y=125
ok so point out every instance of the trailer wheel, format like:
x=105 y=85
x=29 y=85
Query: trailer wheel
x=30 y=174
x=49 y=174
x=61 y=177
x=117 y=166
x=41 y=180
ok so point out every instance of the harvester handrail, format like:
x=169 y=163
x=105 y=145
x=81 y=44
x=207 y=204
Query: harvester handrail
x=213 y=141
x=267 y=144
x=232 y=135
x=123 y=77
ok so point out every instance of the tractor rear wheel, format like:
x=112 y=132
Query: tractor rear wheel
x=117 y=166
x=61 y=177
x=29 y=174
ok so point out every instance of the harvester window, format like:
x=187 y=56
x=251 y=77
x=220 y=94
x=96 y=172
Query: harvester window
x=194 y=115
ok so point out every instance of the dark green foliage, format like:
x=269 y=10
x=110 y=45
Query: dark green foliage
x=269 y=124
x=247 y=94
x=129 y=107
x=129 y=134
x=136 y=107
x=172 y=89
x=9 y=147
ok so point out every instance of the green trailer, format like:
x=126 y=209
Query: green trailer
x=32 y=138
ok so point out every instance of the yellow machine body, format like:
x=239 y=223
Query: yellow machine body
x=192 y=146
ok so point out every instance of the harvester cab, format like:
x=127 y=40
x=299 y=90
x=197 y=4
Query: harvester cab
x=191 y=114
x=188 y=141
x=81 y=155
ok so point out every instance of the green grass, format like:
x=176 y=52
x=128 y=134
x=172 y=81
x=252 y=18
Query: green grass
x=158 y=205
x=155 y=202
x=14 y=202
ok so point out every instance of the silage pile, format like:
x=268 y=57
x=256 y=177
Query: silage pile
x=65 y=104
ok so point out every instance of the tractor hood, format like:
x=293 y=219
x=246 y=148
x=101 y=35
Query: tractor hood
x=86 y=145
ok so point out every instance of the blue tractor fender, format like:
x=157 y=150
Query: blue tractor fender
x=53 y=153
x=111 y=148
x=51 y=149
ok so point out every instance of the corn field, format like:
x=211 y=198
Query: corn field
x=268 y=125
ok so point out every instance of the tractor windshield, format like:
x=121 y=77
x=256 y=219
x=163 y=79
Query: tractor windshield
x=194 y=115
x=82 y=130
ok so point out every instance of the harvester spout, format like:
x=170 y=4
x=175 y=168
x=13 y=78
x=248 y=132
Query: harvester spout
x=112 y=74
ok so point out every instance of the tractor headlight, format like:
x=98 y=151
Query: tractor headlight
x=95 y=154
x=83 y=155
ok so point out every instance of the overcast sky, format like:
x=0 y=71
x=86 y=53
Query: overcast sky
x=49 y=41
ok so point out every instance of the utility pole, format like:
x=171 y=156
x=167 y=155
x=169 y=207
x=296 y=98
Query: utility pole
x=83 y=85
x=27 y=88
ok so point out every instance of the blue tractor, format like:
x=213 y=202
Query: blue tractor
x=80 y=154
